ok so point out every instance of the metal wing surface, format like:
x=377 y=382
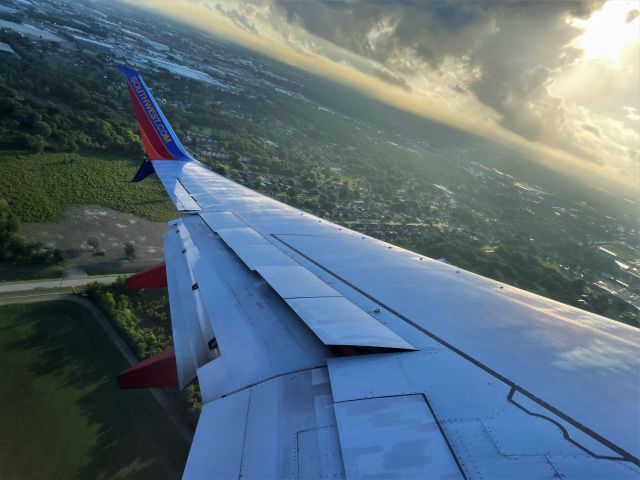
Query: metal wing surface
x=324 y=353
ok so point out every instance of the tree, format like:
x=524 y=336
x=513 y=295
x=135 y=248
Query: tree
x=94 y=242
x=283 y=197
x=343 y=191
x=14 y=247
x=42 y=128
x=220 y=168
x=57 y=256
x=36 y=143
x=130 y=250
x=9 y=230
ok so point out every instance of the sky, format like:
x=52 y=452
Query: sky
x=561 y=79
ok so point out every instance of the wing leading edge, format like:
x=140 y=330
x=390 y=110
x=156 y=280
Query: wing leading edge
x=321 y=352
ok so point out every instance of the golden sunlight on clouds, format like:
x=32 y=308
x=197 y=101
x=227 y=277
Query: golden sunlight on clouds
x=607 y=36
x=272 y=44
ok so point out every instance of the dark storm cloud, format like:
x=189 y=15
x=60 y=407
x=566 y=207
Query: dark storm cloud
x=396 y=80
x=510 y=50
x=238 y=19
x=430 y=31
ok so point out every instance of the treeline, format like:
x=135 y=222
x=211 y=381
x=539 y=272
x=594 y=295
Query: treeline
x=143 y=321
x=48 y=104
x=15 y=249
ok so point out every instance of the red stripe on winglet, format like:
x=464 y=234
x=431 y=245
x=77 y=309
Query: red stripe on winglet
x=155 y=277
x=154 y=372
x=146 y=126
x=151 y=152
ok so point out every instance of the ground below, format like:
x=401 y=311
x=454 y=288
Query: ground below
x=62 y=414
x=113 y=229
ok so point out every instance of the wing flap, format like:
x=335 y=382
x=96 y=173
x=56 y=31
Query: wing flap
x=282 y=428
x=337 y=321
x=256 y=256
x=295 y=282
x=393 y=437
x=192 y=332
x=257 y=334
x=217 y=447
x=332 y=317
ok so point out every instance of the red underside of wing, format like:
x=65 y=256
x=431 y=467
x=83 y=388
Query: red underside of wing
x=155 y=277
x=155 y=372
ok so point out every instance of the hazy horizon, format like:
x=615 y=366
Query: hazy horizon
x=570 y=102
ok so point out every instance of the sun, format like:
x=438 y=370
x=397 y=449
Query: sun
x=610 y=30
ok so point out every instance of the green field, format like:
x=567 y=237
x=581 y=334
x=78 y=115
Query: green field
x=62 y=415
x=38 y=186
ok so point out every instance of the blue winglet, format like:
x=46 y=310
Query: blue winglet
x=144 y=171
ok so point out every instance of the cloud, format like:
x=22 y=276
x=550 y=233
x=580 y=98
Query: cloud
x=508 y=53
x=388 y=77
x=240 y=19
x=632 y=113
x=391 y=32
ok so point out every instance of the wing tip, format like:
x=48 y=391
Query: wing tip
x=127 y=70
x=159 y=140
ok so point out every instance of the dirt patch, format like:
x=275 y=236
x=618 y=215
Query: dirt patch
x=111 y=229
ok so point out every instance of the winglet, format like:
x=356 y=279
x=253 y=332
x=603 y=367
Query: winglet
x=159 y=140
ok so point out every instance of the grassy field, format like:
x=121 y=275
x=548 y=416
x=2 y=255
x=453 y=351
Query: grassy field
x=62 y=415
x=38 y=186
x=9 y=272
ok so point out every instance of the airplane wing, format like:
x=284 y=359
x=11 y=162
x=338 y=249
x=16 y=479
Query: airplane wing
x=324 y=353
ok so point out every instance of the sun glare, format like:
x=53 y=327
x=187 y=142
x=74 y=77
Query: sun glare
x=610 y=30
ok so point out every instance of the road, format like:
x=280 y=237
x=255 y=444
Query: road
x=49 y=283
x=161 y=397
